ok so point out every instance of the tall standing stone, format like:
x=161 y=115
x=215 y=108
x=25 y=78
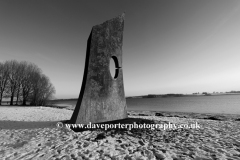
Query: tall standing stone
x=102 y=96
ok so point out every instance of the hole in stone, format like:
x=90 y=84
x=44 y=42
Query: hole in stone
x=114 y=68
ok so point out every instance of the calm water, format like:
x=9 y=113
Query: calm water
x=228 y=104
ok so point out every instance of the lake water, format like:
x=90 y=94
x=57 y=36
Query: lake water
x=227 y=104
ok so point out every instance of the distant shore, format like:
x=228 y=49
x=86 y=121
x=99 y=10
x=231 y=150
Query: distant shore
x=182 y=95
x=155 y=96
x=159 y=96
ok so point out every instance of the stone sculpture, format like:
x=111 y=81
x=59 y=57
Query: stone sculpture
x=102 y=96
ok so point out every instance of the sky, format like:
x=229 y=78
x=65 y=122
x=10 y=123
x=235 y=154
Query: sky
x=169 y=46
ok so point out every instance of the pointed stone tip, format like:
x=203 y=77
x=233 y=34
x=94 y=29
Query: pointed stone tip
x=123 y=15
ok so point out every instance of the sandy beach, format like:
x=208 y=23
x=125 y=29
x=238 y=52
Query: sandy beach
x=31 y=133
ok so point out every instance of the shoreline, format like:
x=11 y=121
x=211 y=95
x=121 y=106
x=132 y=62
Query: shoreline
x=193 y=115
x=64 y=113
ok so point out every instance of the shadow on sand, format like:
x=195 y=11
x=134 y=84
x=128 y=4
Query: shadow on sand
x=27 y=125
x=53 y=124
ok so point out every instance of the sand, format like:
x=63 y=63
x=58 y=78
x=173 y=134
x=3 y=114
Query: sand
x=215 y=139
x=30 y=114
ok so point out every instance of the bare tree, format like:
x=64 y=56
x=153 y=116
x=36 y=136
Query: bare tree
x=43 y=90
x=30 y=78
x=20 y=76
x=35 y=86
x=13 y=78
x=4 y=73
x=47 y=91
x=24 y=80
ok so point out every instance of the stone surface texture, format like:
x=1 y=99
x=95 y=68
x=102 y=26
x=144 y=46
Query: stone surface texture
x=102 y=96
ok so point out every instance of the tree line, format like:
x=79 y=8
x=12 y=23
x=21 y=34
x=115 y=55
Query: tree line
x=25 y=82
